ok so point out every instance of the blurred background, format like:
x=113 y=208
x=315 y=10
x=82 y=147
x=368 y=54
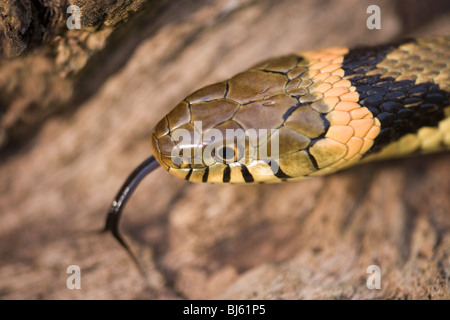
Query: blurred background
x=77 y=109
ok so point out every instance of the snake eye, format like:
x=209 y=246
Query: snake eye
x=228 y=154
x=224 y=154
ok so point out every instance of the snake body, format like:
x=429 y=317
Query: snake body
x=331 y=108
x=325 y=110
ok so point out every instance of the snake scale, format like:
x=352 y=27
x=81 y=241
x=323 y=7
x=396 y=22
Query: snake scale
x=328 y=109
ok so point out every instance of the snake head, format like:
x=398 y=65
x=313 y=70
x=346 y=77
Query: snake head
x=245 y=129
x=286 y=118
x=199 y=140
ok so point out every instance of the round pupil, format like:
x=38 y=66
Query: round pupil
x=226 y=153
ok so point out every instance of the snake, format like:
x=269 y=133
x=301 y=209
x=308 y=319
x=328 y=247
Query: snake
x=321 y=110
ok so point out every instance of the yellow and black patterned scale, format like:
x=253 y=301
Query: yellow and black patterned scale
x=332 y=108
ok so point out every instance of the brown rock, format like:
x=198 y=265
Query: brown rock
x=309 y=239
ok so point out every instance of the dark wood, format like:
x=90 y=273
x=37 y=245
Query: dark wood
x=309 y=239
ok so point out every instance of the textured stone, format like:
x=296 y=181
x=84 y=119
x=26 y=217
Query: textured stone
x=311 y=239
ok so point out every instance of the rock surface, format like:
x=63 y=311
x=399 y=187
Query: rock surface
x=301 y=240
